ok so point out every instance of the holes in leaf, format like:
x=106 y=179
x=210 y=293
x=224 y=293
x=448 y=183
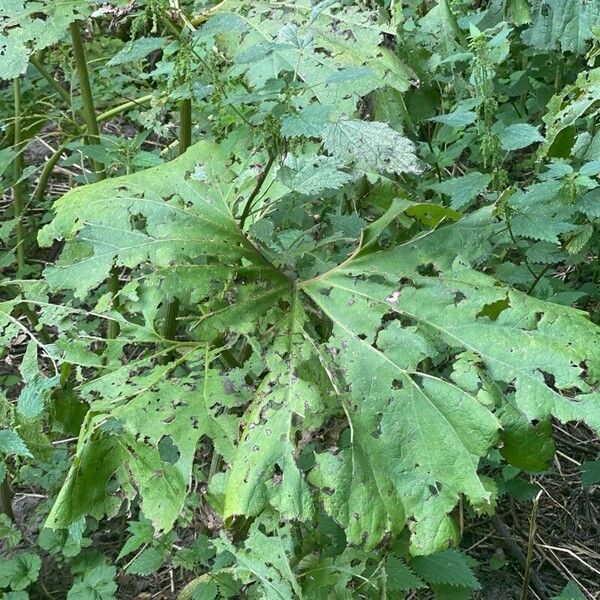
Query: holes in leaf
x=139 y=222
x=377 y=431
x=377 y=279
x=167 y=450
x=393 y=297
x=435 y=489
x=459 y=297
x=392 y=315
x=549 y=380
x=537 y=318
x=428 y=270
x=493 y=310
x=397 y=384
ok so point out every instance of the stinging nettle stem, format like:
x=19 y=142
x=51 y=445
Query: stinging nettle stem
x=17 y=184
x=62 y=91
x=185 y=141
x=93 y=137
x=6 y=499
x=93 y=132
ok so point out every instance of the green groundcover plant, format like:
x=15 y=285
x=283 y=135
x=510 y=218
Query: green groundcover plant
x=333 y=322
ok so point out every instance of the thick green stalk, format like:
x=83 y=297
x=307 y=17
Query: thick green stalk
x=185 y=125
x=63 y=92
x=93 y=134
x=112 y=283
x=117 y=110
x=559 y=74
x=40 y=189
x=18 y=185
x=6 y=499
x=185 y=141
x=89 y=110
x=530 y=545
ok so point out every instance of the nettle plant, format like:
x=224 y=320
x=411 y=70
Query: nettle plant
x=284 y=303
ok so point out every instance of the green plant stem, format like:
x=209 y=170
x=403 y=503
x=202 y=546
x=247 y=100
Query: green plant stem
x=185 y=125
x=178 y=32
x=42 y=184
x=215 y=461
x=6 y=499
x=170 y=325
x=515 y=552
x=112 y=330
x=259 y=182
x=93 y=132
x=40 y=189
x=185 y=141
x=530 y=543
x=18 y=185
x=117 y=110
x=559 y=74
x=62 y=91
x=35 y=323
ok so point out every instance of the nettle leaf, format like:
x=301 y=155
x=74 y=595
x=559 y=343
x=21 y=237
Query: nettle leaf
x=447 y=568
x=147 y=562
x=462 y=190
x=97 y=583
x=309 y=121
x=310 y=175
x=141 y=532
x=11 y=443
x=519 y=135
x=371 y=145
x=136 y=50
x=400 y=578
x=35 y=394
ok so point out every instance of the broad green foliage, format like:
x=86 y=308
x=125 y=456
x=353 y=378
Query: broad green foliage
x=390 y=311
x=341 y=312
x=564 y=24
x=30 y=26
